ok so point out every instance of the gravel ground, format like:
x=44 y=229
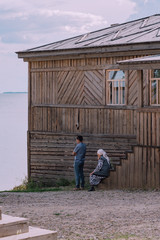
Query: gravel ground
x=89 y=215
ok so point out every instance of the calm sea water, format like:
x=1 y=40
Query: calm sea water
x=13 y=139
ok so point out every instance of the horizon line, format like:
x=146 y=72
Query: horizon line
x=12 y=92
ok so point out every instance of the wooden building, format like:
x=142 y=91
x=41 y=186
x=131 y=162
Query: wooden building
x=101 y=85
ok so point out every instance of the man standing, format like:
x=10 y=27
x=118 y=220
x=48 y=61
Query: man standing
x=79 y=152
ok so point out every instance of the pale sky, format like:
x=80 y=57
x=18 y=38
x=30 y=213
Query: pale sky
x=29 y=23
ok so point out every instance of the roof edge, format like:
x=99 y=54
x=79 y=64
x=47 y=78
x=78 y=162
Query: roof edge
x=92 y=50
x=144 y=60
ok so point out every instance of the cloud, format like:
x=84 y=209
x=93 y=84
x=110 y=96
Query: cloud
x=34 y=21
x=40 y=23
x=27 y=24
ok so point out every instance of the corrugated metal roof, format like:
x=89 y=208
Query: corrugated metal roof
x=138 y=31
x=148 y=59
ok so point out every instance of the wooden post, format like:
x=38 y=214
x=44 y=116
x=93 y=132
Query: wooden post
x=107 y=87
x=140 y=88
x=104 y=87
x=29 y=119
x=126 y=86
x=147 y=87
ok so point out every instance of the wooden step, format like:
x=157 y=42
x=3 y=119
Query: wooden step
x=12 y=226
x=96 y=145
x=65 y=155
x=62 y=159
x=72 y=137
x=91 y=144
x=70 y=150
x=68 y=153
x=34 y=234
x=67 y=159
x=53 y=166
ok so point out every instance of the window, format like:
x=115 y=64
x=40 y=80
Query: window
x=115 y=87
x=155 y=87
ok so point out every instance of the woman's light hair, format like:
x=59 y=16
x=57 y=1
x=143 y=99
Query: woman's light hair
x=103 y=153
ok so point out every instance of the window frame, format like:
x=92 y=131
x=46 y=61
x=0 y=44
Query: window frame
x=157 y=90
x=120 y=97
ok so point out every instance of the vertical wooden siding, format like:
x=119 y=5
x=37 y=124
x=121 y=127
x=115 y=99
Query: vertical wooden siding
x=140 y=170
x=88 y=120
x=148 y=127
x=43 y=88
x=142 y=167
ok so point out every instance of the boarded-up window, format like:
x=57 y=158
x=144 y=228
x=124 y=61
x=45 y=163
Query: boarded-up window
x=115 y=87
x=155 y=87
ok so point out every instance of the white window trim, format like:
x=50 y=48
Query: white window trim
x=108 y=88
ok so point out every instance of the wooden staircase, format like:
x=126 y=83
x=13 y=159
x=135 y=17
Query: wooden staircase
x=116 y=148
x=51 y=154
x=14 y=228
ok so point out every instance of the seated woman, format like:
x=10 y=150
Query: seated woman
x=102 y=169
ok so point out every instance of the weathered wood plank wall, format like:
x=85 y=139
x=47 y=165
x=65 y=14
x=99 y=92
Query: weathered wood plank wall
x=148 y=127
x=84 y=120
x=68 y=87
x=80 y=87
x=55 y=86
x=51 y=153
x=80 y=81
x=141 y=169
x=132 y=88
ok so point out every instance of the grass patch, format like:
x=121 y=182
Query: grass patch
x=3 y=195
x=57 y=214
x=61 y=184
x=16 y=189
x=32 y=186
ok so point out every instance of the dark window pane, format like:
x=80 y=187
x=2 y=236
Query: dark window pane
x=156 y=73
x=153 y=91
x=123 y=96
x=110 y=92
x=117 y=93
x=122 y=88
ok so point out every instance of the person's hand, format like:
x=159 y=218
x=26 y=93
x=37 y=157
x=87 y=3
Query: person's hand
x=91 y=173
